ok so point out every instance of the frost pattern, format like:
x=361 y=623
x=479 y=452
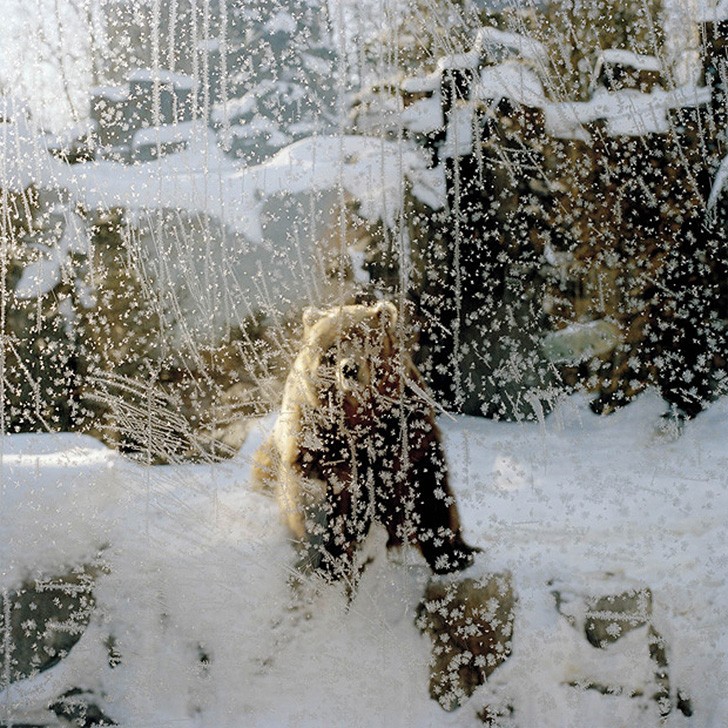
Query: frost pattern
x=537 y=191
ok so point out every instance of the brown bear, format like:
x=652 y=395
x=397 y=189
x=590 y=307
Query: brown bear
x=356 y=442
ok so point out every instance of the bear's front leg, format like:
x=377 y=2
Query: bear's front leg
x=433 y=511
x=442 y=545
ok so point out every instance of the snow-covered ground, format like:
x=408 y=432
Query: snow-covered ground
x=198 y=564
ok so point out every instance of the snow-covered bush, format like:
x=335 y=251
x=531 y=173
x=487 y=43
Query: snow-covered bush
x=565 y=212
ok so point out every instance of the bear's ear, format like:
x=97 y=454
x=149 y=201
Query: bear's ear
x=310 y=316
x=387 y=313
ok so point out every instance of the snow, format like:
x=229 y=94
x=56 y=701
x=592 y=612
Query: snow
x=689 y=95
x=257 y=244
x=150 y=75
x=581 y=341
x=181 y=131
x=44 y=274
x=510 y=80
x=708 y=11
x=631 y=114
x=281 y=22
x=20 y=149
x=70 y=135
x=257 y=126
x=637 y=61
x=201 y=179
x=316 y=64
x=235 y=108
x=489 y=38
x=424 y=115
x=209 y=45
x=459 y=134
x=470 y=59
x=626 y=112
x=197 y=562
x=112 y=93
x=719 y=184
x=421 y=84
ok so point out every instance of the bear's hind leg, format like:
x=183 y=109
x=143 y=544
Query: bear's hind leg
x=334 y=532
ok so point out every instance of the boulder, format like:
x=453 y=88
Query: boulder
x=44 y=618
x=470 y=623
x=605 y=620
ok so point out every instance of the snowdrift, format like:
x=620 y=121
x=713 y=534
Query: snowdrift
x=190 y=619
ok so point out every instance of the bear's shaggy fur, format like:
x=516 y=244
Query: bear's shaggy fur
x=356 y=442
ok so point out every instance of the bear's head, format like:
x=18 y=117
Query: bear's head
x=350 y=355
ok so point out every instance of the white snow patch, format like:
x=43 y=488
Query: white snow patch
x=638 y=61
x=719 y=183
x=711 y=11
x=459 y=133
x=491 y=39
x=512 y=80
x=424 y=115
x=625 y=113
x=580 y=341
x=201 y=179
x=281 y=22
x=44 y=274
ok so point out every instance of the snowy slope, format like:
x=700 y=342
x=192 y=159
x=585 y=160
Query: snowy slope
x=210 y=635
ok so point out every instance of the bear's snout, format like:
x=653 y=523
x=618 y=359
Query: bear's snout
x=352 y=375
x=350 y=370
